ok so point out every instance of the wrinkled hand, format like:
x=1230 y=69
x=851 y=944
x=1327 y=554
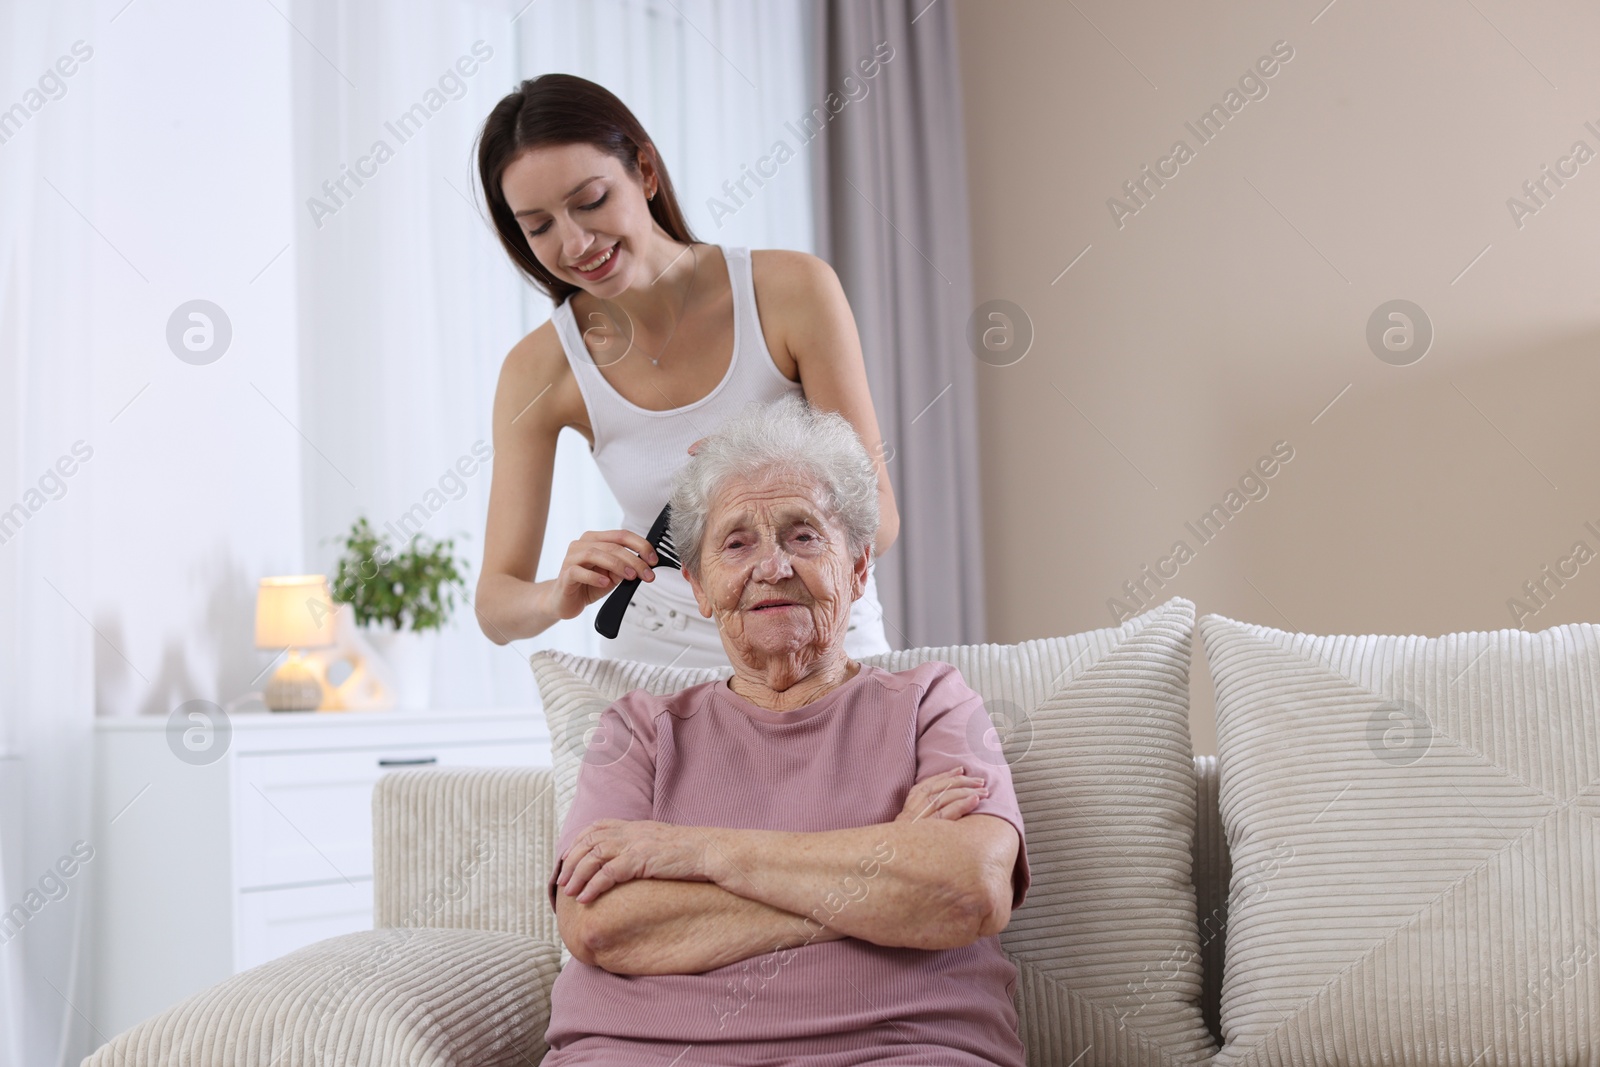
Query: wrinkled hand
x=611 y=851
x=946 y=795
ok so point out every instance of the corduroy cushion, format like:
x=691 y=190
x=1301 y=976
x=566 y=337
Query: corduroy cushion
x=1095 y=727
x=1415 y=835
x=418 y=997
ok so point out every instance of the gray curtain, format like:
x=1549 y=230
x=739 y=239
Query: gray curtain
x=892 y=219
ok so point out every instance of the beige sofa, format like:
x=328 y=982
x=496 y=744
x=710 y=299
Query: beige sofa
x=466 y=850
x=1397 y=848
x=461 y=858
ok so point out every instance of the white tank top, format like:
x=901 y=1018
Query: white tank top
x=639 y=450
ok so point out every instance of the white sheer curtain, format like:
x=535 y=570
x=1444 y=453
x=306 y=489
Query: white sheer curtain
x=46 y=648
x=408 y=304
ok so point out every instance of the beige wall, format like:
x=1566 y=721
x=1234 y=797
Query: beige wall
x=1230 y=310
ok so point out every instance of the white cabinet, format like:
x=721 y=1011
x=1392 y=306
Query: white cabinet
x=213 y=857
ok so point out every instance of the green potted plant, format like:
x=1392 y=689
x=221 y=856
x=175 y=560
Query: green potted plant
x=400 y=600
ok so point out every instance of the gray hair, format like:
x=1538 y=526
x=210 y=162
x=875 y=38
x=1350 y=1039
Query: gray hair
x=787 y=436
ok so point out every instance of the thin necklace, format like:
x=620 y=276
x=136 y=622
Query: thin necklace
x=656 y=360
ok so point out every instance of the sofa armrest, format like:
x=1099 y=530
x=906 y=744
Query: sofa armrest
x=465 y=849
x=376 y=998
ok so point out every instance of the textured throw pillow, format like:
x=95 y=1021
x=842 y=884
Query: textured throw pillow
x=1415 y=833
x=1095 y=728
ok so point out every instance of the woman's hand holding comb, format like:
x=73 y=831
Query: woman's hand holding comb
x=594 y=564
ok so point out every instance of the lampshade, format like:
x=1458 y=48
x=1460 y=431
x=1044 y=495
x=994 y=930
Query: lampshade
x=294 y=612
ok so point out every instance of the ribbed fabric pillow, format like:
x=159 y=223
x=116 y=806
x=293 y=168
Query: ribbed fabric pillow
x=1415 y=830
x=417 y=997
x=1095 y=728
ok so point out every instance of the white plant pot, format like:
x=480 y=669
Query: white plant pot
x=407 y=666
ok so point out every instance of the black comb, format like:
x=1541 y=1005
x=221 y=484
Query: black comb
x=609 y=620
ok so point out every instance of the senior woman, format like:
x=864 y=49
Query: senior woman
x=807 y=863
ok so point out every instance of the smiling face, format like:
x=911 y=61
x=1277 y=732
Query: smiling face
x=573 y=202
x=776 y=573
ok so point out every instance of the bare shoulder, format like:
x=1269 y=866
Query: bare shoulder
x=536 y=386
x=796 y=293
x=537 y=356
x=787 y=272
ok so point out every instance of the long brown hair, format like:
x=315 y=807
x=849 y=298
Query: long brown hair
x=561 y=109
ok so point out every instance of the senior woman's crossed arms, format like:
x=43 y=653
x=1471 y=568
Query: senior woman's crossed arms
x=927 y=885
x=810 y=810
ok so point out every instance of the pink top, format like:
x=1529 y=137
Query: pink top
x=708 y=757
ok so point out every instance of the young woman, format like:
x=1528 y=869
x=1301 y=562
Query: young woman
x=656 y=338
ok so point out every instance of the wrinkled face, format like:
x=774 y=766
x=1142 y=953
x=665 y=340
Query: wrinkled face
x=574 y=202
x=776 y=571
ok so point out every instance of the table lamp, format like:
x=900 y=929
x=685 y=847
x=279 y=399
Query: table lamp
x=294 y=612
